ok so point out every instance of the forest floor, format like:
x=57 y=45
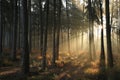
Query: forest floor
x=70 y=67
x=75 y=67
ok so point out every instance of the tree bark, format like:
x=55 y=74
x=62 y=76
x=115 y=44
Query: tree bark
x=54 y=37
x=108 y=35
x=19 y=25
x=90 y=29
x=25 y=49
x=41 y=27
x=102 y=55
x=68 y=31
x=45 y=36
x=58 y=30
x=1 y=29
x=30 y=25
x=14 y=30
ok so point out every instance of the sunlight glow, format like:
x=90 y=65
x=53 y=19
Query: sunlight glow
x=64 y=3
x=79 y=4
x=43 y=4
x=92 y=70
x=81 y=1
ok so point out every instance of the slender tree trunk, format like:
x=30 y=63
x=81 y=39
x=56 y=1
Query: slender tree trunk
x=29 y=25
x=111 y=21
x=39 y=25
x=58 y=30
x=45 y=36
x=19 y=25
x=62 y=37
x=11 y=25
x=3 y=41
x=119 y=23
x=54 y=36
x=25 y=49
x=102 y=55
x=34 y=36
x=82 y=38
x=82 y=34
x=14 y=30
x=1 y=29
x=76 y=41
x=68 y=39
x=5 y=34
x=90 y=30
x=108 y=35
x=68 y=21
x=9 y=43
x=41 y=31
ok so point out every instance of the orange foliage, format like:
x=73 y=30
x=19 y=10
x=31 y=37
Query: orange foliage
x=39 y=57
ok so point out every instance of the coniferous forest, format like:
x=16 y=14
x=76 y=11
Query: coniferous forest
x=59 y=39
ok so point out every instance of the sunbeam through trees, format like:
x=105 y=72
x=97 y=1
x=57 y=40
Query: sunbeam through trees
x=59 y=39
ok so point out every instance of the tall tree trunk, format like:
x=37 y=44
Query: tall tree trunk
x=45 y=36
x=90 y=29
x=19 y=25
x=58 y=30
x=1 y=29
x=14 y=30
x=54 y=36
x=68 y=21
x=11 y=24
x=102 y=55
x=108 y=35
x=41 y=31
x=29 y=25
x=25 y=49
x=3 y=41
x=82 y=33
x=111 y=21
